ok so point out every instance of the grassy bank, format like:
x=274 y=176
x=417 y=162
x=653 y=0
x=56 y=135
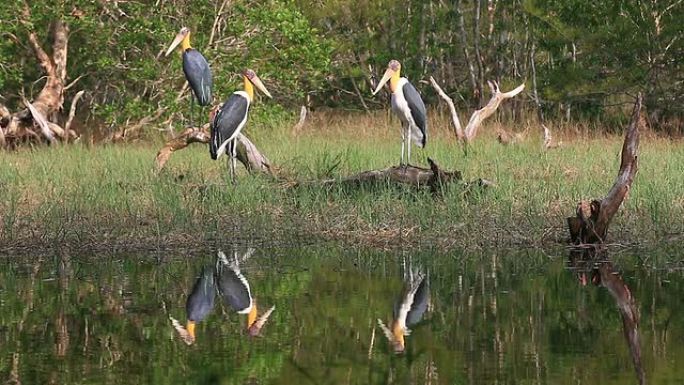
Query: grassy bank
x=108 y=196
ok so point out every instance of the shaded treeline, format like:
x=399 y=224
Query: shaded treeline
x=581 y=60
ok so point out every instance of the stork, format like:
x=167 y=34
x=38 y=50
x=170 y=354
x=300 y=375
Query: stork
x=196 y=69
x=231 y=117
x=408 y=106
x=234 y=289
x=199 y=304
x=408 y=311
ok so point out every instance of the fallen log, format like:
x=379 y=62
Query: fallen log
x=247 y=153
x=434 y=177
x=590 y=224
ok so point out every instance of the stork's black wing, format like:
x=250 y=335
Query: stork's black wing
x=228 y=119
x=415 y=103
x=201 y=300
x=234 y=288
x=198 y=73
x=420 y=303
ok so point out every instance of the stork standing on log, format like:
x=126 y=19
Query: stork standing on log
x=236 y=294
x=408 y=106
x=196 y=69
x=231 y=118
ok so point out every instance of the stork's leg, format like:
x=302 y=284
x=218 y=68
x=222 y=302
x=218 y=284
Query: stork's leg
x=403 y=141
x=233 y=158
x=408 y=139
x=192 y=108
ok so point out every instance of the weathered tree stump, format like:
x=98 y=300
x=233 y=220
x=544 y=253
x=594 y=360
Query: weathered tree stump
x=590 y=225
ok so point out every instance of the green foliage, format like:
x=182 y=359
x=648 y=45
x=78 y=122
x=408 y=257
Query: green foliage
x=589 y=56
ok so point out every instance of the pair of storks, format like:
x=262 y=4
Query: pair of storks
x=231 y=116
x=226 y=280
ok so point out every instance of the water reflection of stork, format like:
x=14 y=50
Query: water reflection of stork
x=409 y=309
x=236 y=293
x=223 y=278
x=601 y=272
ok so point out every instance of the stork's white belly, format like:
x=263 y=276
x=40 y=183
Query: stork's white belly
x=401 y=109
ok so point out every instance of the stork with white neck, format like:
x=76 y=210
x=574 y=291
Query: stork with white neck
x=408 y=106
x=230 y=118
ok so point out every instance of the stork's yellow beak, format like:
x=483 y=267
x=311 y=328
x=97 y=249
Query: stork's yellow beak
x=252 y=316
x=260 y=86
x=387 y=76
x=184 y=32
x=398 y=343
x=190 y=326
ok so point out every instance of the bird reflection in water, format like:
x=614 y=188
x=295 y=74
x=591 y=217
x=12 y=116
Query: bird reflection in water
x=598 y=268
x=199 y=304
x=225 y=279
x=409 y=309
x=236 y=293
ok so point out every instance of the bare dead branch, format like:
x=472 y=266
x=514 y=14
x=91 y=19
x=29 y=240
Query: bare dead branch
x=458 y=130
x=72 y=110
x=480 y=115
x=302 y=118
x=247 y=153
x=549 y=141
x=40 y=121
x=590 y=225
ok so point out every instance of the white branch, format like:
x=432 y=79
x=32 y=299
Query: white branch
x=72 y=110
x=480 y=115
x=41 y=121
x=454 y=116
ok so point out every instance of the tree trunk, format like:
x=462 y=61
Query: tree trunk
x=590 y=225
x=38 y=115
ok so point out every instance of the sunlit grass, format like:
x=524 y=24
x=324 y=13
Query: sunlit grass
x=100 y=194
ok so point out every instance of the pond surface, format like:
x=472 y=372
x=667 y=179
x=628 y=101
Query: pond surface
x=491 y=318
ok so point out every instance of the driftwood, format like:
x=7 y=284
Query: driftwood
x=433 y=177
x=592 y=219
x=468 y=134
x=39 y=116
x=247 y=153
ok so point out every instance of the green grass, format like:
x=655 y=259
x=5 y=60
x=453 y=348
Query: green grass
x=108 y=195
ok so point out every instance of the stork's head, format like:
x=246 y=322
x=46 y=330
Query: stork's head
x=183 y=36
x=393 y=72
x=251 y=78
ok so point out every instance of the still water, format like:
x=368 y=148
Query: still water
x=502 y=317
